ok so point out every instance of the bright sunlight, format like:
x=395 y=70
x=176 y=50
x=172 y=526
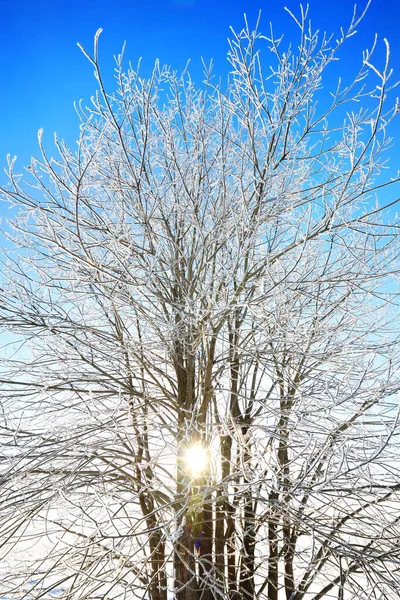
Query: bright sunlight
x=196 y=459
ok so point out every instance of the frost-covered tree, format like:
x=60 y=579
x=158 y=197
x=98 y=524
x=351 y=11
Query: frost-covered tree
x=200 y=371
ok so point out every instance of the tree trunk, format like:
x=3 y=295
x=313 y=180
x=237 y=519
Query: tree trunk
x=272 y=591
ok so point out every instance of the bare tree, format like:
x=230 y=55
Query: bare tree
x=199 y=394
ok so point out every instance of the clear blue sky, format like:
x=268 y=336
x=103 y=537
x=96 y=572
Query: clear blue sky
x=42 y=71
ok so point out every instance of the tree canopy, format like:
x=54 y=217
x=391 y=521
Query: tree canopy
x=199 y=394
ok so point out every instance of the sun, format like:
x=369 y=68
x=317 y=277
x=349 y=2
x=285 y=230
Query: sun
x=196 y=459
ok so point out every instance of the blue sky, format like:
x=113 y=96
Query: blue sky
x=43 y=72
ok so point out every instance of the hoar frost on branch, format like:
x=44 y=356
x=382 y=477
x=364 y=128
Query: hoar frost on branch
x=211 y=268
